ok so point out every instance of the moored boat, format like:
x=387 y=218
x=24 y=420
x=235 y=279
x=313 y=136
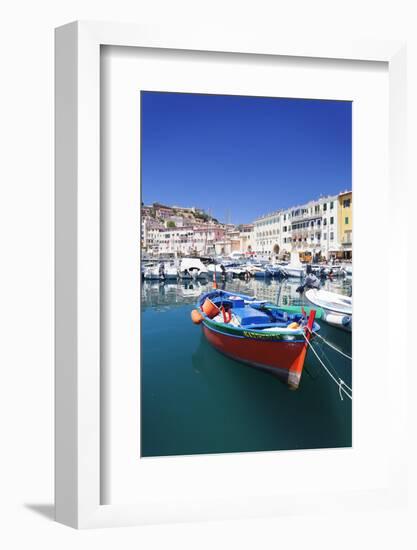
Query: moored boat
x=237 y=272
x=276 y=270
x=294 y=268
x=160 y=272
x=258 y=271
x=256 y=333
x=192 y=268
x=337 y=307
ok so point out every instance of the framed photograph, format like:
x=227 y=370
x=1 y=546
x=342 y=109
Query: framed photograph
x=214 y=196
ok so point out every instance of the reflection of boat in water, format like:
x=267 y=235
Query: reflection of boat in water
x=256 y=333
x=337 y=307
x=171 y=292
x=190 y=288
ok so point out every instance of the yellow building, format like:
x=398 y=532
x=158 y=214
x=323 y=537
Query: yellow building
x=345 y=224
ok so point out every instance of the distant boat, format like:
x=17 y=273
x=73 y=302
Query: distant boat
x=151 y=273
x=337 y=307
x=213 y=268
x=294 y=268
x=155 y=273
x=258 y=271
x=327 y=270
x=192 y=268
x=276 y=270
x=237 y=271
x=170 y=272
x=256 y=333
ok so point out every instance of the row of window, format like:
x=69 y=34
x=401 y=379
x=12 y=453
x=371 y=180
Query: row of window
x=301 y=211
x=300 y=225
x=302 y=239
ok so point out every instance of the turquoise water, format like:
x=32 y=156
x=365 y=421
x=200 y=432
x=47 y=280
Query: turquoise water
x=194 y=400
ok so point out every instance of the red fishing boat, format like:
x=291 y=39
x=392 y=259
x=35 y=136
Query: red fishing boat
x=256 y=333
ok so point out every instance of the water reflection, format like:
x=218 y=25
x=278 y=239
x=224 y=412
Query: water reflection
x=284 y=292
x=195 y=400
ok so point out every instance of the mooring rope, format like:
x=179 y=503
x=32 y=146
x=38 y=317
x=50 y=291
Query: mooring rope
x=332 y=346
x=340 y=383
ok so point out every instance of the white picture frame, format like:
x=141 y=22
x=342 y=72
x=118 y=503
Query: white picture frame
x=78 y=404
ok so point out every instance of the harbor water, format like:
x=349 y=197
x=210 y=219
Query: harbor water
x=194 y=400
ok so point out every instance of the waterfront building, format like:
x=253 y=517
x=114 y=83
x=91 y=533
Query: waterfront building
x=150 y=230
x=206 y=236
x=230 y=241
x=178 y=240
x=193 y=240
x=345 y=224
x=268 y=233
x=318 y=229
x=246 y=237
x=328 y=239
x=312 y=229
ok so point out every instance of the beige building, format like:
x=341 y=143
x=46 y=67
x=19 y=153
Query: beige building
x=310 y=228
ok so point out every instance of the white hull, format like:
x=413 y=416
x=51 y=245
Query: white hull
x=338 y=320
x=153 y=273
x=337 y=307
x=294 y=271
x=192 y=268
x=193 y=275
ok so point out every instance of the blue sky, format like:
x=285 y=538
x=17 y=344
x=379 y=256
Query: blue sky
x=243 y=156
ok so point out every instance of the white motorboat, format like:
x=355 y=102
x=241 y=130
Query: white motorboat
x=170 y=272
x=236 y=272
x=192 y=268
x=258 y=270
x=326 y=269
x=151 y=273
x=337 y=308
x=294 y=268
x=276 y=270
x=160 y=272
x=217 y=269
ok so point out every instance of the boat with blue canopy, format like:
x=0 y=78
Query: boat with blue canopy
x=256 y=332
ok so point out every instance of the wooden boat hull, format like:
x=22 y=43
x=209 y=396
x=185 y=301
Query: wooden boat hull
x=284 y=358
x=256 y=333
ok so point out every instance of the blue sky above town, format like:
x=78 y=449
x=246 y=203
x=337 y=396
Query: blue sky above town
x=242 y=157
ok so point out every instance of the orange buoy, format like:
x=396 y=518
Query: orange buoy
x=293 y=325
x=196 y=317
x=210 y=309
